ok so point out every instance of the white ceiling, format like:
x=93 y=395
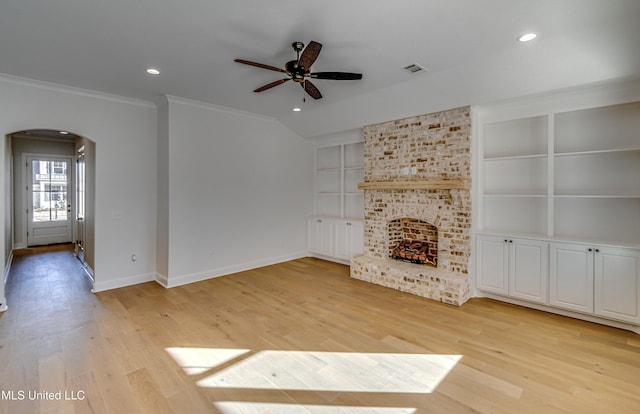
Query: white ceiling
x=468 y=46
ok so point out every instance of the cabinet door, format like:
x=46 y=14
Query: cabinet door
x=617 y=283
x=571 y=277
x=528 y=269
x=320 y=236
x=349 y=239
x=493 y=264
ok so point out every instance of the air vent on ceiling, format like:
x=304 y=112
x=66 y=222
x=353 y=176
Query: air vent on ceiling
x=415 y=68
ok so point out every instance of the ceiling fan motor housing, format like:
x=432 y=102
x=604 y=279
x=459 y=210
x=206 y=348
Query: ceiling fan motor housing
x=297 y=72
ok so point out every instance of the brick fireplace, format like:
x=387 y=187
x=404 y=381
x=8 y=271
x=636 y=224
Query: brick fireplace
x=417 y=188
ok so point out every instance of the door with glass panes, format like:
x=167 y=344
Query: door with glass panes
x=49 y=203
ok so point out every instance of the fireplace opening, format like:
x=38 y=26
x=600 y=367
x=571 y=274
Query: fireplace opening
x=415 y=241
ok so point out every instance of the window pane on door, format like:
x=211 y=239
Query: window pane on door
x=49 y=188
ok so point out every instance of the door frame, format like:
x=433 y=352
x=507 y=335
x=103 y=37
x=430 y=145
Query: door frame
x=70 y=188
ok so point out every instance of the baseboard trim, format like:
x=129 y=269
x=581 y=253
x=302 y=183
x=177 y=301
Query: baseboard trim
x=7 y=268
x=170 y=282
x=100 y=286
x=562 y=312
x=162 y=280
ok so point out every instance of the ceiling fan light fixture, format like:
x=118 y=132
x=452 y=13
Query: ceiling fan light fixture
x=297 y=109
x=527 y=37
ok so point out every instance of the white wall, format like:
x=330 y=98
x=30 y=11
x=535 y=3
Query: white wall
x=240 y=191
x=162 y=218
x=124 y=131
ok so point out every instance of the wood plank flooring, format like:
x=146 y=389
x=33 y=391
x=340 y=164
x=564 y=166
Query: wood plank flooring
x=293 y=338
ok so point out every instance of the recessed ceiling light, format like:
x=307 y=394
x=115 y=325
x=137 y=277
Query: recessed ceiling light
x=527 y=37
x=296 y=109
x=64 y=132
x=152 y=71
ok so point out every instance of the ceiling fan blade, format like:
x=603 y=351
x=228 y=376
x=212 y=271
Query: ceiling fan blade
x=311 y=89
x=336 y=75
x=271 y=85
x=309 y=55
x=259 y=65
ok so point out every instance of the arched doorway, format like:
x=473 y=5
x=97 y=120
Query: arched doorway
x=53 y=182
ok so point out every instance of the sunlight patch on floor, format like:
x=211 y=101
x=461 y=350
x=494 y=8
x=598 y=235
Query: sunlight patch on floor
x=235 y=407
x=316 y=371
x=196 y=361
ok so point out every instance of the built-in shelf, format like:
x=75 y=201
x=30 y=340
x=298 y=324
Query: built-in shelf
x=339 y=168
x=515 y=195
x=514 y=157
x=415 y=185
x=572 y=175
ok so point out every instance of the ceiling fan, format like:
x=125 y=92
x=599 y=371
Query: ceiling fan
x=299 y=70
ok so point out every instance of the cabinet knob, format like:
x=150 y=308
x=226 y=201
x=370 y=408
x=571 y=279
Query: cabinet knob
x=505 y=240
x=597 y=250
x=510 y=241
x=348 y=224
x=319 y=221
x=590 y=250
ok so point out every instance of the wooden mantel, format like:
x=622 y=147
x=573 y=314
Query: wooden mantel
x=414 y=185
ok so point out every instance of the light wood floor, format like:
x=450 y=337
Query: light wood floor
x=295 y=337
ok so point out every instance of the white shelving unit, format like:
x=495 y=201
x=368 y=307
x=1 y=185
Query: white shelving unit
x=514 y=180
x=597 y=174
x=572 y=175
x=339 y=169
x=336 y=230
x=564 y=176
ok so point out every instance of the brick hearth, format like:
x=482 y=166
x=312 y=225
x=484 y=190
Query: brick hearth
x=435 y=146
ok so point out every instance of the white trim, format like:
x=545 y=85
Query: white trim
x=89 y=271
x=163 y=280
x=563 y=100
x=329 y=258
x=563 y=312
x=219 y=108
x=350 y=136
x=74 y=90
x=122 y=282
x=223 y=271
x=7 y=268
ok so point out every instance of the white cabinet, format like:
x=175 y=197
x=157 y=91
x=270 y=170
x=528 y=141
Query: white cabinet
x=337 y=230
x=513 y=267
x=571 y=277
x=617 y=283
x=335 y=238
x=493 y=264
x=561 y=170
x=320 y=236
x=600 y=280
x=349 y=241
